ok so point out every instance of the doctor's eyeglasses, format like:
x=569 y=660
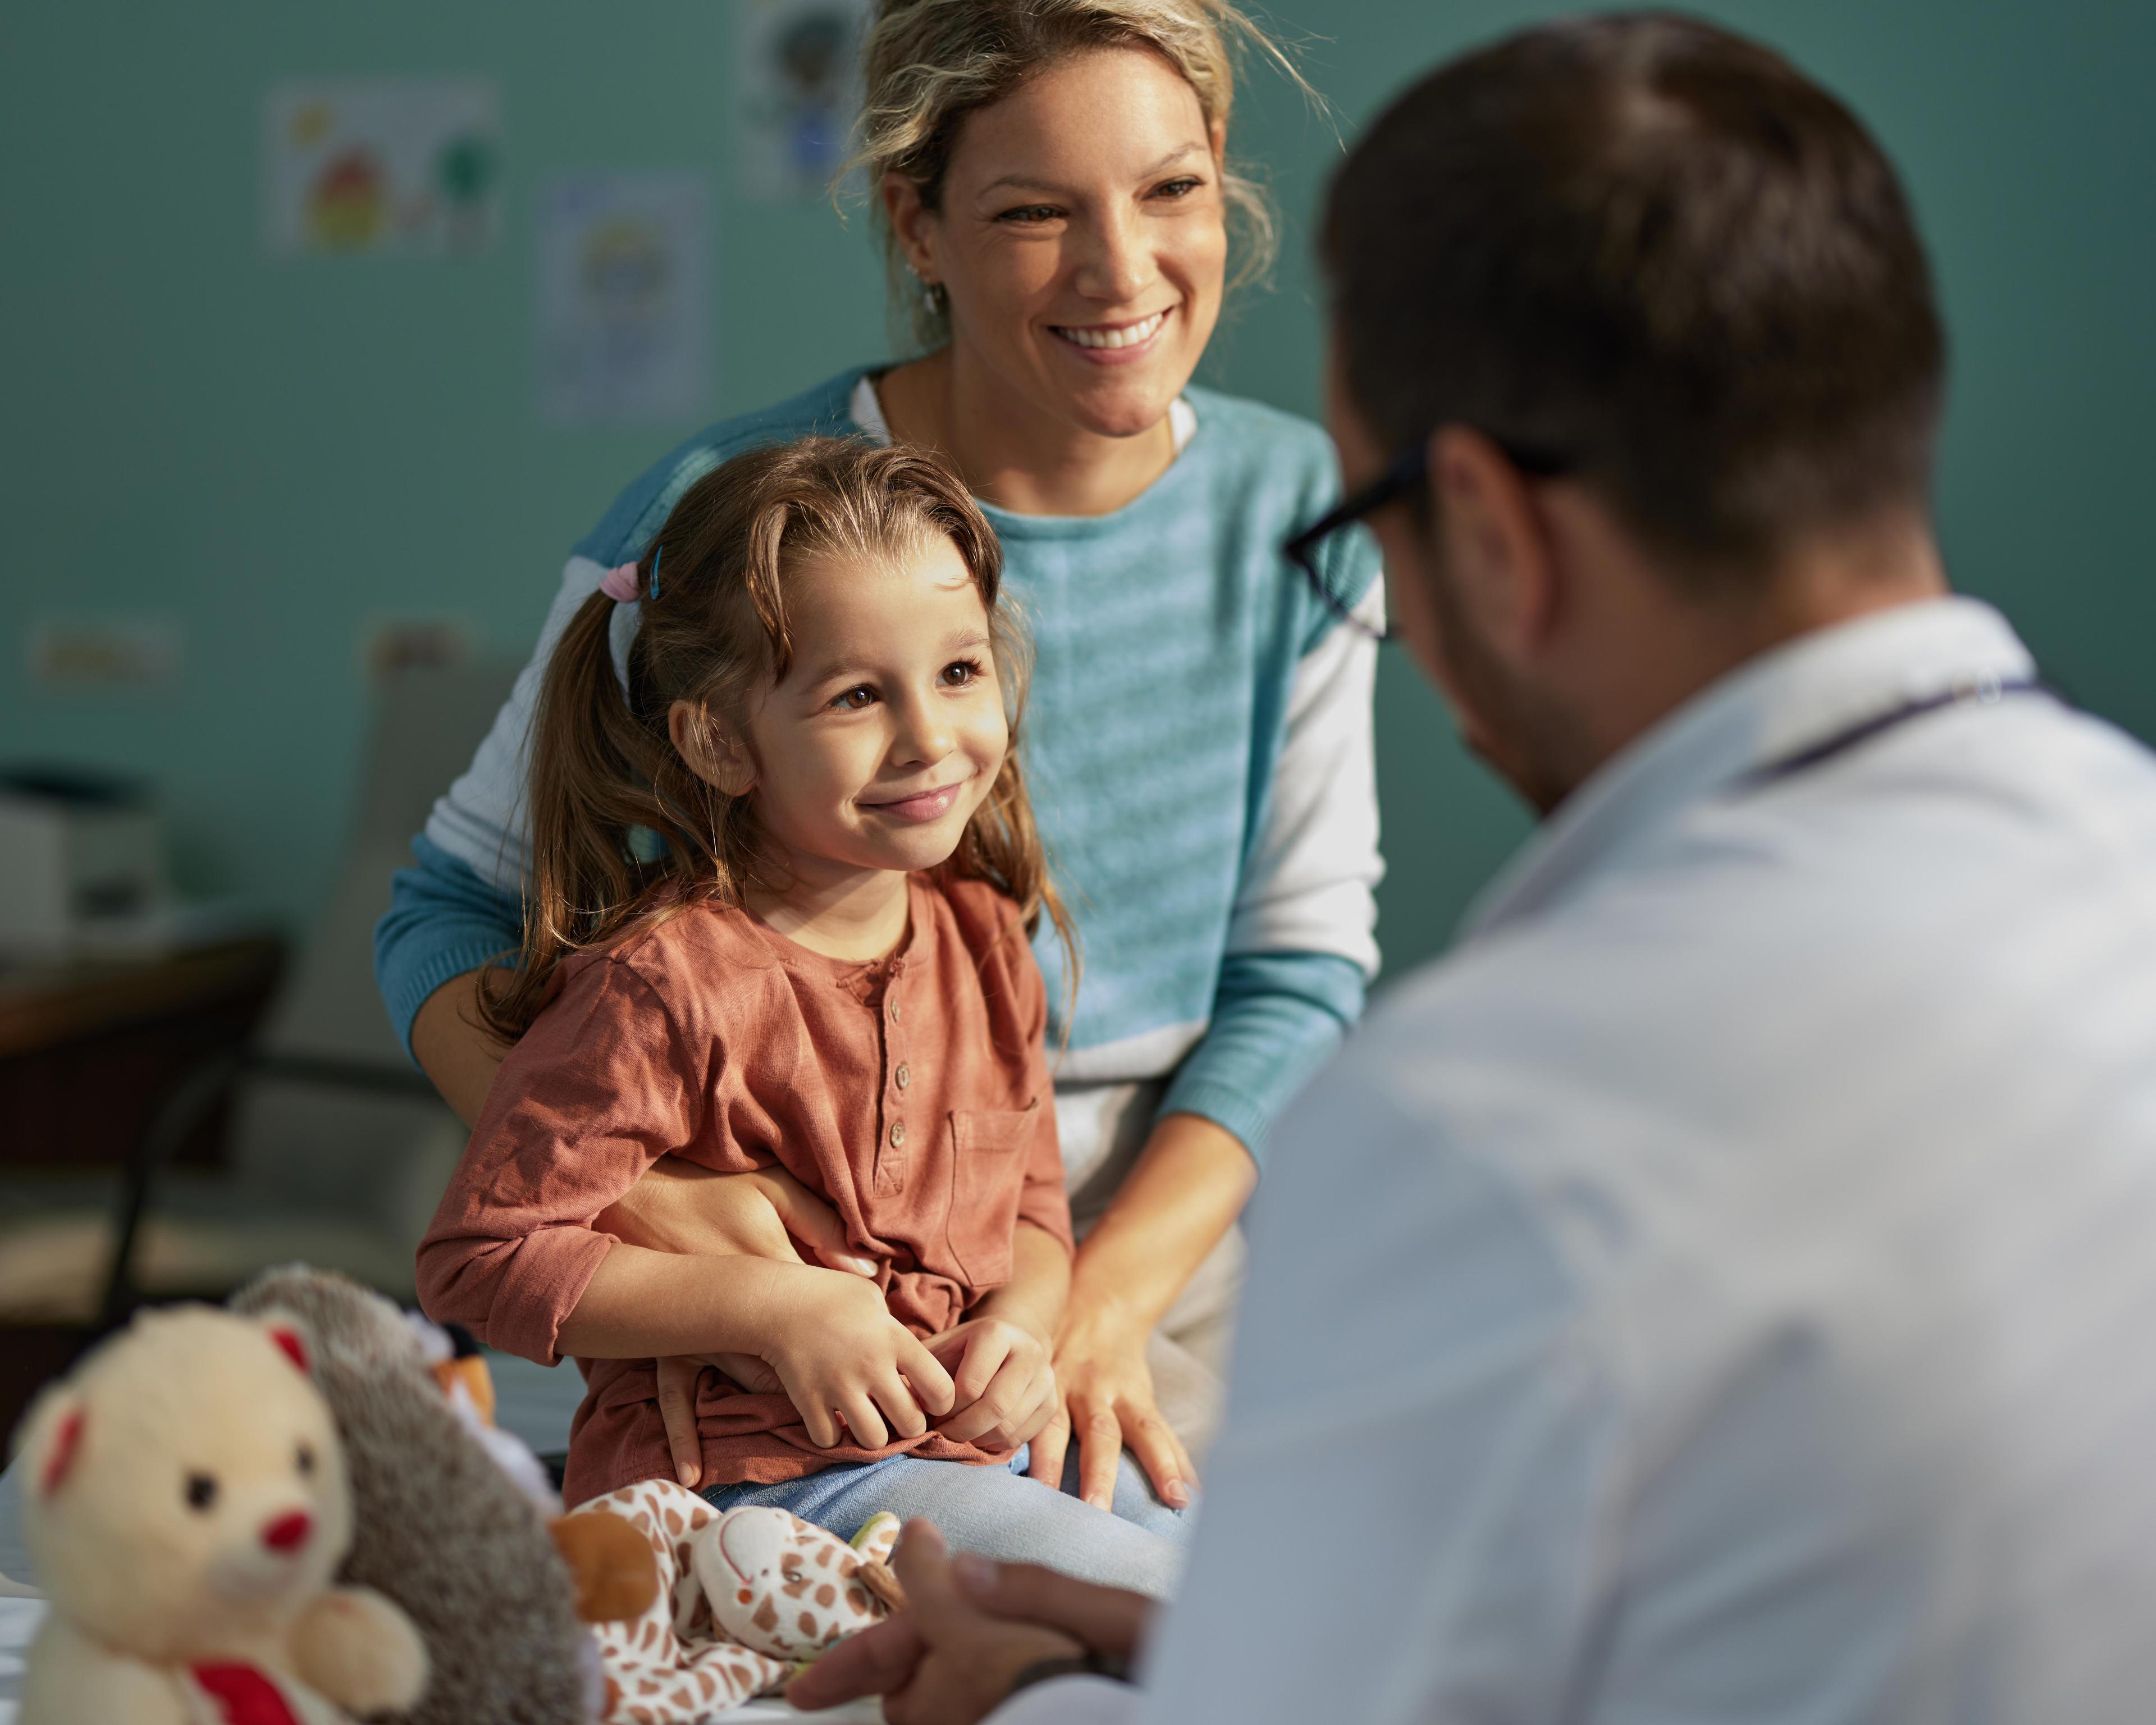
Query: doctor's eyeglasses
x=1409 y=472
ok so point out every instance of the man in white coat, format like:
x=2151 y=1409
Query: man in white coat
x=1724 y=1289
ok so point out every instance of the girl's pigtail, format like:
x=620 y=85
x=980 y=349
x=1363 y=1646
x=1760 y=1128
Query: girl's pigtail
x=592 y=764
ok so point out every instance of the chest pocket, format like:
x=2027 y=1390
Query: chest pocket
x=988 y=1178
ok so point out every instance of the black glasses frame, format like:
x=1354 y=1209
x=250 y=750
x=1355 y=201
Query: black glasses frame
x=1408 y=472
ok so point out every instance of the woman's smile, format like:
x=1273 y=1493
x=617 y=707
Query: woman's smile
x=1115 y=343
x=918 y=805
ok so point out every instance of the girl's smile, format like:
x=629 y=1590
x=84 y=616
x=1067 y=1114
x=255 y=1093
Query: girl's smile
x=866 y=760
x=932 y=805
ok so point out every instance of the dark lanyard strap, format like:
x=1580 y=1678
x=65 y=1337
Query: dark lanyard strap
x=1982 y=691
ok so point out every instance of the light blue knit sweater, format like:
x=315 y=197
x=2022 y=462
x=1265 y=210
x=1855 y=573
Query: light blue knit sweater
x=1198 y=746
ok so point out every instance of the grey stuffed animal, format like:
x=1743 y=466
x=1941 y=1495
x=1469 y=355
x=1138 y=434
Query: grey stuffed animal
x=438 y=1526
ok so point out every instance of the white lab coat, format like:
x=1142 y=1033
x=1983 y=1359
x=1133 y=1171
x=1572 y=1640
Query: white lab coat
x=1725 y=1288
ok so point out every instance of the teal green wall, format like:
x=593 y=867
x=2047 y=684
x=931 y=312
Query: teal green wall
x=277 y=453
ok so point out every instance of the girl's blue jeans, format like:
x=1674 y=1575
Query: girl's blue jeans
x=999 y=1512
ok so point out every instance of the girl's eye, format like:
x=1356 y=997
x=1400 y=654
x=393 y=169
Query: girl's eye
x=960 y=672
x=1031 y=213
x=854 y=700
x=1178 y=188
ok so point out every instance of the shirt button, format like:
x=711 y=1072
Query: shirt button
x=897 y=1134
x=894 y=1012
x=903 y=1076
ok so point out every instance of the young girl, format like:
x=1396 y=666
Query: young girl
x=807 y=691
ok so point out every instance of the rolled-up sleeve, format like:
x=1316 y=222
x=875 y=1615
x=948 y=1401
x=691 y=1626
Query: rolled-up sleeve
x=596 y=1091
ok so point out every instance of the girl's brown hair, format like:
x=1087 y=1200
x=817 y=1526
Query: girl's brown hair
x=615 y=811
x=929 y=64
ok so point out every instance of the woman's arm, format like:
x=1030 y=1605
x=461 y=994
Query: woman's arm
x=454 y=1049
x=1187 y=1187
x=1300 y=950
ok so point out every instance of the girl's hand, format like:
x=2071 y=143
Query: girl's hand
x=840 y=1355
x=678 y=1207
x=1108 y=1405
x=1003 y=1381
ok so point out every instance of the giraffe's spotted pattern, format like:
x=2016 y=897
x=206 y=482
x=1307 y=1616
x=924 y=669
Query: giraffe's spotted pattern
x=673 y=1666
x=744 y=1599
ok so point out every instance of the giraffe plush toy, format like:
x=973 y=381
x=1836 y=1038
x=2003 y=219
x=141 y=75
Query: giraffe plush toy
x=742 y=1603
x=777 y=1584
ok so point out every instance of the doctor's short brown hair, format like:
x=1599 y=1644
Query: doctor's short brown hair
x=1658 y=254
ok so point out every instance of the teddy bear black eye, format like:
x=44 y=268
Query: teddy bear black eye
x=202 y=1491
x=306 y=1459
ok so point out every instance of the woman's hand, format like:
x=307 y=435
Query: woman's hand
x=1183 y=1193
x=943 y=1660
x=840 y=1355
x=678 y=1207
x=679 y=1375
x=1003 y=1385
x=1108 y=1406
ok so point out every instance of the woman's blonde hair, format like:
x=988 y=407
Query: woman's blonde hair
x=712 y=631
x=929 y=64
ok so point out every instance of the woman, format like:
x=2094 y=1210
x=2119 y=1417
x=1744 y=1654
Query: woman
x=1057 y=205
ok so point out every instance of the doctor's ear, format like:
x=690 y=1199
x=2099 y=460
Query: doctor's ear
x=712 y=749
x=1495 y=545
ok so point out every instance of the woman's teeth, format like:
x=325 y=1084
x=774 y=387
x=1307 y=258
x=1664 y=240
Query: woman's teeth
x=1128 y=335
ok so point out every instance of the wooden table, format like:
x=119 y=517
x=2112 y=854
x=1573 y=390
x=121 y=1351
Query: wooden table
x=89 y=1051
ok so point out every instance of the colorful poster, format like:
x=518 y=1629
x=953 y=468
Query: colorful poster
x=359 y=165
x=797 y=93
x=623 y=298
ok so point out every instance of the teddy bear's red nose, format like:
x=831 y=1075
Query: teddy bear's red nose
x=288 y=1532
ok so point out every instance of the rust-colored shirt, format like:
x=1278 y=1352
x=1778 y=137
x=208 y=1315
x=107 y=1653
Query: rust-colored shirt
x=911 y=1093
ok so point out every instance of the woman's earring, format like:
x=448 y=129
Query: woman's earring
x=933 y=297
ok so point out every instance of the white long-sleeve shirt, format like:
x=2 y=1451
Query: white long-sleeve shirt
x=1725 y=1289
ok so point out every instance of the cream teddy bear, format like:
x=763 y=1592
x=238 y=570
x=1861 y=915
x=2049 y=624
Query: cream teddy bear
x=452 y=1515
x=186 y=1505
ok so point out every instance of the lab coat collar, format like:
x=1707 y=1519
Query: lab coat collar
x=1770 y=707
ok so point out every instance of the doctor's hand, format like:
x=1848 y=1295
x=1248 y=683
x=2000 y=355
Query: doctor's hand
x=678 y=1207
x=943 y=1660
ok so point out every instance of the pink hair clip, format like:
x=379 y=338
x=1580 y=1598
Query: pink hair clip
x=619 y=584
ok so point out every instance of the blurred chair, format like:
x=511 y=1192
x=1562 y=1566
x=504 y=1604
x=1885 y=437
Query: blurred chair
x=338 y=1148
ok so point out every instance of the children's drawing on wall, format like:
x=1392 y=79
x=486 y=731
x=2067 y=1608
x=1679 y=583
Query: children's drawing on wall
x=622 y=299
x=381 y=165
x=797 y=72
